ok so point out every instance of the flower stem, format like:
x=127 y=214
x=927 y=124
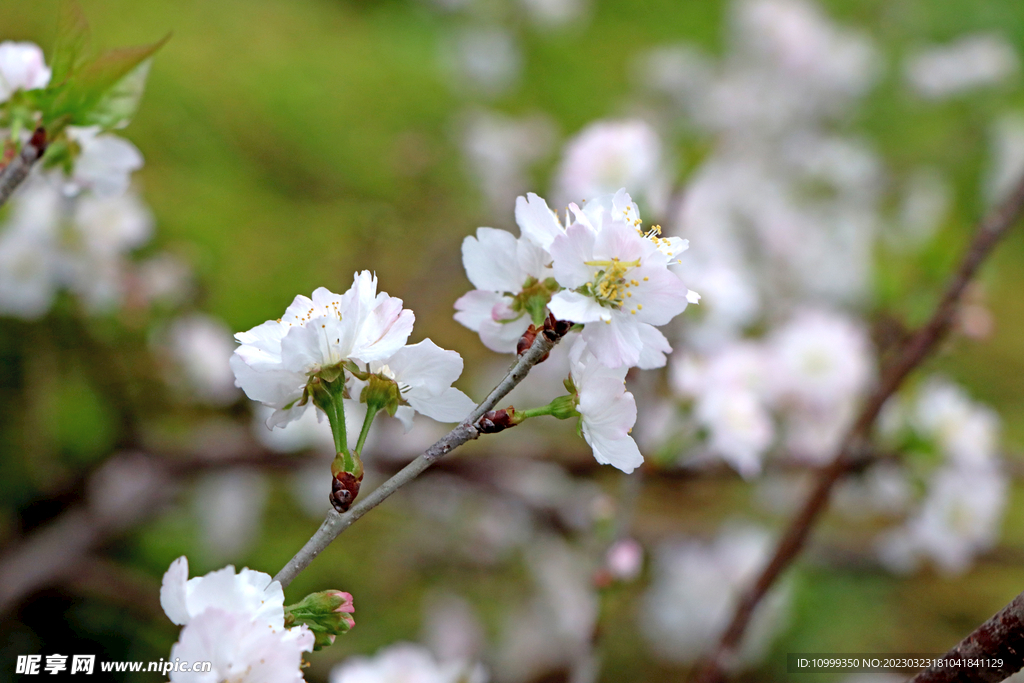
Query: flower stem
x=371 y=412
x=562 y=408
x=335 y=524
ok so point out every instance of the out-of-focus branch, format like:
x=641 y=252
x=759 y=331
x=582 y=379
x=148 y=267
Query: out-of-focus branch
x=124 y=492
x=855 y=444
x=120 y=494
x=336 y=523
x=17 y=170
x=1001 y=637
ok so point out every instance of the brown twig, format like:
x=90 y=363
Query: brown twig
x=854 y=445
x=1000 y=638
x=17 y=170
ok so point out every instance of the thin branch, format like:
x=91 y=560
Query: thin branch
x=336 y=523
x=854 y=445
x=17 y=170
x=124 y=492
x=1000 y=638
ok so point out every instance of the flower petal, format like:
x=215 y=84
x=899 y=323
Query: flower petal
x=536 y=221
x=491 y=260
x=570 y=253
x=172 y=591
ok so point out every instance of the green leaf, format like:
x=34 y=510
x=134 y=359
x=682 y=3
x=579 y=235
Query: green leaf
x=91 y=83
x=117 y=106
x=72 y=40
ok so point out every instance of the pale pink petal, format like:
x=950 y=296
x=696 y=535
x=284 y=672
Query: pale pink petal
x=577 y=308
x=451 y=406
x=655 y=346
x=536 y=221
x=570 y=253
x=426 y=366
x=616 y=343
x=503 y=337
x=491 y=261
x=172 y=591
x=474 y=307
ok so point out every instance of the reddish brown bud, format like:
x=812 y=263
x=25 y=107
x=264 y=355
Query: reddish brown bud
x=495 y=421
x=526 y=341
x=555 y=329
x=39 y=140
x=344 y=489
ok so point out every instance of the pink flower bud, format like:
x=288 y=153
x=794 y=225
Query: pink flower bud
x=625 y=559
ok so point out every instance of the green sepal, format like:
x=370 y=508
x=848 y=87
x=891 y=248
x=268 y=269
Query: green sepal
x=537 y=307
x=381 y=393
x=328 y=614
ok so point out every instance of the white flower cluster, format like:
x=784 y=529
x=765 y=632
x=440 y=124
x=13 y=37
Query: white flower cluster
x=695 y=589
x=966 y=495
x=236 y=622
x=796 y=387
x=406 y=663
x=276 y=360
x=70 y=230
x=600 y=269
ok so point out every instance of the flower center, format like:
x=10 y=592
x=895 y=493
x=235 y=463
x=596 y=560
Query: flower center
x=610 y=285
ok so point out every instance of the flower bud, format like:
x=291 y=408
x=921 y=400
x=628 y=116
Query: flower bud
x=344 y=489
x=526 y=341
x=555 y=329
x=564 y=408
x=495 y=421
x=381 y=393
x=328 y=614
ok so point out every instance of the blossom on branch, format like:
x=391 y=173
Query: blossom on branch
x=422 y=376
x=22 y=67
x=104 y=162
x=277 y=359
x=513 y=286
x=618 y=283
x=236 y=622
x=607 y=411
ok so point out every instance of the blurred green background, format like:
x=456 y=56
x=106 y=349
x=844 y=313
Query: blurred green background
x=288 y=144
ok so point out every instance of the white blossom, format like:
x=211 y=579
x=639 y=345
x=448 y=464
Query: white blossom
x=966 y=432
x=276 y=359
x=607 y=155
x=104 y=163
x=1007 y=152
x=240 y=650
x=29 y=269
x=249 y=593
x=820 y=358
x=556 y=13
x=499 y=151
x=500 y=266
x=739 y=426
x=201 y=347
x=695 y=589
x=607 y=411
x=967 y=64
x=485 y=60
x=22 y=67
x=960 y=517
x=617 y=282
x=406 y=663
x=229 y=507
x=424 y=373
x=113 y=225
